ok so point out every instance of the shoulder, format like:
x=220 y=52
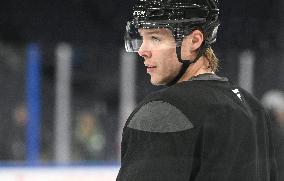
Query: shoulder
x=253 y=103
x=176 y=108
x=159 y=116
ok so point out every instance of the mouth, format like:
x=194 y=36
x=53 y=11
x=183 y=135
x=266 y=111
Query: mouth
x=150 y=68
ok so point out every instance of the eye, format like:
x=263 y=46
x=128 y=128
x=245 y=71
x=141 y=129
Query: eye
x=155 y=39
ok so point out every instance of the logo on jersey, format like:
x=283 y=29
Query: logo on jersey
x=237 y=92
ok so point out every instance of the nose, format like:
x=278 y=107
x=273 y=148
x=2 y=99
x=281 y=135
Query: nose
x=144 y=51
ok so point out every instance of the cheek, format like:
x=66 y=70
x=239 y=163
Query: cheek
x=171 y=57
x=169 y=61
x=169 y=54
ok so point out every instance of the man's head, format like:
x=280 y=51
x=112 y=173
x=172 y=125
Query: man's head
x=172 y=34
x=159 y=52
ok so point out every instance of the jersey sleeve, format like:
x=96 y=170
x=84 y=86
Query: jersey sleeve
x=158 y=144
x=159 y=117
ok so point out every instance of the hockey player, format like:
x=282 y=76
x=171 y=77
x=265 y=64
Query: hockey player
x=200 y=127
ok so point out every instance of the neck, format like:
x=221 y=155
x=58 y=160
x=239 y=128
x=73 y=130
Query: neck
x=200 y=67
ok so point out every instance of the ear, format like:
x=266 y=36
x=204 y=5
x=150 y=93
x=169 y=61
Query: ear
x=191 y=43
x=194 y=40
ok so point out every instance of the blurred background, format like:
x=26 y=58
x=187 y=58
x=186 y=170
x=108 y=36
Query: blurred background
x=67 y=85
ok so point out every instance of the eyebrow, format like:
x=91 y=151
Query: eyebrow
x=151 y=32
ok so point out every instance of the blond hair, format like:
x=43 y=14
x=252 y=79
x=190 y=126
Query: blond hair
x=212 y=59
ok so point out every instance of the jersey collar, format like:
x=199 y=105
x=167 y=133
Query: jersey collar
x=209 y=76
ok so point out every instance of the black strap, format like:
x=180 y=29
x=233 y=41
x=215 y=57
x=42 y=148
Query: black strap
x=186 y=63
x=183 y=69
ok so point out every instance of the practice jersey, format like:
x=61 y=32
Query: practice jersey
x=204 y=129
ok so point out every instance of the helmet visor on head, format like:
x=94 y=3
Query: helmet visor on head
x=133 y=40
x=179 y=16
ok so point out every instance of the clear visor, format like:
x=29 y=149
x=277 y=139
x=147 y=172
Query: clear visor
x=133 y=40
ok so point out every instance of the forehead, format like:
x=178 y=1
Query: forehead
x=157 y=31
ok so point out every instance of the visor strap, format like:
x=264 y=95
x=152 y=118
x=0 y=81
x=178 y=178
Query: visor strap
x=183 y=69
x=186 y=63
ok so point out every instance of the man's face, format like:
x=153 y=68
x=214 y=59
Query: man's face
x=159 y=52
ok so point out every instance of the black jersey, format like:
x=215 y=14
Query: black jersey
x=204 y=129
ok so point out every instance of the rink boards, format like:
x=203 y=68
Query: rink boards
x=80 y=173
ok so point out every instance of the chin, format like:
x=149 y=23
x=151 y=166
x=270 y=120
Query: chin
x=154 y=83
x=157 y=82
